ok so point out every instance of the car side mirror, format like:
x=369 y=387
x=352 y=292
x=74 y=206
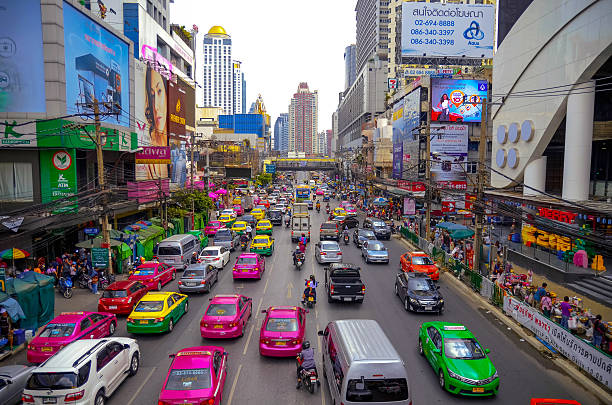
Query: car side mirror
x=436 y=351
x=264 y=311
x=487 y=351
x=172 y=355
x=225 y=353
x=126 y=346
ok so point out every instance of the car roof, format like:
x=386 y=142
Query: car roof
x=70 y=316
x=194 y=357
x=375 y=242
x=283 y=311
x=451 y=329
x=261 y=236
x=225 y=299
x=418 y=254
x=344 y=266
x=247 y=255
x=13 y=370
x=416 y=275
x=329 y=243
x=121 y=285
x=364 y=339
x=156 y=295
x=148 y=265
x=66 y=358
x=212 y=248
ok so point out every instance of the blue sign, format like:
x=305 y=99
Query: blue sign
x=22 y=69
x=91 y=231
x=457 y=100
x=271 y=168
x=97 y=66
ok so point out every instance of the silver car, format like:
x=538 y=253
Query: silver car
x=227 y=239
x=12 y=382
x=374 y=251
x=198 y=277
x=328 y=251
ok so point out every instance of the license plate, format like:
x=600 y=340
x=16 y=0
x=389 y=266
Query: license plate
x=112 y=307
x=347 y=299
x=479 y=389
x=428 y=308
x=313 y=379
x=47 y=349
x=310 y=299
x=190 y=284
x=144 y=322
x=218 y=326
x=49 y=400
x=279 y=343
x=245 y=270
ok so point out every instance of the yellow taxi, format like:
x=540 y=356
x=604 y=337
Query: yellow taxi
x=157 y=312
x=239 y=227
x=262 y=244
x=263 y=227
x=237 y=201
x=258 y=213
x=227 y=220
x=338 y=211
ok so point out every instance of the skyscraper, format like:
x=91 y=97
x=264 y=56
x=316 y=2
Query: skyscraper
x=281 y=133
x=350 y=65
x=218 y=80
x=303 y=120
x=238 y=79
x=372 y=31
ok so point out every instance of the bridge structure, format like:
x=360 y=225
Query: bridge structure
x=304 y=164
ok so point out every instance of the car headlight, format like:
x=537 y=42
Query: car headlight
x=441 y=301
x=414 y=301
x=451 y=374
x=462 y=379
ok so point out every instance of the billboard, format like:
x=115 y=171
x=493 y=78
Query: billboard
x=151 y=113
x=410 y=159
x=412 y=113
x=445 y=30
x=398 y=164
x=176 y=132
x=447 y=99
x=190 y=119
x=64 y=134
x=58 y=178
x=398 y=121
x=97 y=66
x=22 y=71
x=449 y=155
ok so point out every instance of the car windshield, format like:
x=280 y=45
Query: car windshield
x=149 y=306
x=367 y=234
x=282 y=325
x=223 y=235
x=329 y=246
x=190 y=379
x=465 y=349
x=378 y=223
x=260 y=241
x=225 y=218
x=58 y=330
x=239 y=226
x=193 y=273
x=52 y=381
x=328 y=225
x=210 y=252
x=169 y=251
x=421 y=260
x=246 y=260
x=420 y=284
x=214 y=223
x=376 y=246
x=377 y=390
x=275 y=213
x=114 y=294
x=221 y=310
x=264 y=223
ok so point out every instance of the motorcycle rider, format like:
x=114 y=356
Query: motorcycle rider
x=194 y=258
x=296 y=253
x=244 y=238
x=318 y=206
x=302 y=243
x=311 y=289
x=287 y=218
x=305 y=361
x=327 y=208
x=248 y=232
x=345 y=232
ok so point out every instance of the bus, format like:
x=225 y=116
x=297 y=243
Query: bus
x=302 y=193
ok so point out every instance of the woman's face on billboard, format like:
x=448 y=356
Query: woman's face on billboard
x=160 y=106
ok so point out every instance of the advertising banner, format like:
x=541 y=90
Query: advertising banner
x=190 y=119
x=413 y=72
x=151 y=107
x=176 y=132
x=585 y=356
x=409 y=206
x=451 y=30
x=410 y=159
x=398 y=164
x=398 y=122
x=22 y=71
x=63 y=134
x=412 y=113
x=449 y=153
x=99 y=257
x=58 y=176
x=97 y=66
x=153 y=155
x=16 y=135
x=447 y=100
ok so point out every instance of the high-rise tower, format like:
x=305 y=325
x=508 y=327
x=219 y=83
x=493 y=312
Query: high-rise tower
x=303 y=120
x=218 y=80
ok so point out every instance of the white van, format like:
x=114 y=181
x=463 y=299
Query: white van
x=361 y=365
x=177 y=250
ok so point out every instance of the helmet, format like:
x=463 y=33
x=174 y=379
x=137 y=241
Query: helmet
x=306 y=345
x=312 y=277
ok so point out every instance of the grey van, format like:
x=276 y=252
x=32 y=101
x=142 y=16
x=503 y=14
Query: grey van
x=361 y=365
x=177 y=250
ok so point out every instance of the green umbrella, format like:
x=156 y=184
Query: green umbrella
x=458 y=234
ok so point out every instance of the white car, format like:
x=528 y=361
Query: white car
x=87 y=371
x=217 y=256
x=228 y=211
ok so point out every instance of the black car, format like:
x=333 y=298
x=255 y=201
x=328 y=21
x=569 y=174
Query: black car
x=276 y=217
x=418 y=293
x=360 y=235
x=350 y=221
x=380 y=228
x=249 y=219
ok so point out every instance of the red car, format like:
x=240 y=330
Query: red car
x=238 y=209
x=121 y=296
x=213 y=227
x=153 y=275
x=421 y=263
x=265 y=203
x=226 y=316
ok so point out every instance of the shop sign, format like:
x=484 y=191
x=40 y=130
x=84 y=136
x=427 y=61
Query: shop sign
x=409 y=206
x=17 y=135
x=58 y=177
x=91 y=231
x=99 y=257
x=65 y=134
x=153 y=155
x=448 y=206
x=557 y=215
x=453 y=185
x=585 y=356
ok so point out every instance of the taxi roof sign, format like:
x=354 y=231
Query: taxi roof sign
x=194 y=353
x=72 y=313
x=454 y=327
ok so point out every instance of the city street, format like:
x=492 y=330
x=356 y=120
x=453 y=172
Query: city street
x=253 y=379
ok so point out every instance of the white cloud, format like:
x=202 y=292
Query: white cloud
x=281 y=43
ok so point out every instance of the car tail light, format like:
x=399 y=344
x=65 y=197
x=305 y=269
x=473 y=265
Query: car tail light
x=209 y=401
x=216 y=258
x=331 y=288
x=203 y=282
x=130 y=319
x=180 y=282
x=339 y=253
x=264 y=341
x=74 y=396
x=27 y=398
x=296 y=341
x=233 y=324
x=323 y=254
x=31 y=347
x=162 y=319
x=363 y=288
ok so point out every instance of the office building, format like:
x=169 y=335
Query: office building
x=372 y=31
x=281 y=133
x=217 y=68
x=350 y=67
x=238 y=84
x=303 y=120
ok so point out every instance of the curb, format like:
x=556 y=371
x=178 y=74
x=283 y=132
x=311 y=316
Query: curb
x=570 y=368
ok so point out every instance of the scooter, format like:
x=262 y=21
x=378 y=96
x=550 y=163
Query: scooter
x=64 y=286
x=310 y=379
x=310 y=300
x=318 y=209
x=105 y=280
x=346 y=239
x=243 y=245
x=327 y=210
x=299 y=261
x=287 y=223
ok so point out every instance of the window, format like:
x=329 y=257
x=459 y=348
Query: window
x=102 y=358
x=95 y=318
x=84 y=374
x=114 y=349
x=176 y=297
x=217 y=363
x=377 y=390
x=16 y=181
x=85 y=324
x=471 y=167
x=337 y=368
x=170 y=302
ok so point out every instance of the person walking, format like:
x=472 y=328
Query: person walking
x=566 y=308
x=546 y=304
x=539 y=294
x=599 y=330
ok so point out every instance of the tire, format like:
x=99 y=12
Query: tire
x=406 y=305
x=311 y=388
x=329 y=299
x=421 y=352
x=99 y=398
x=112 y=328
x=170 y=325
x=68 y=293
x=396 y=290
x=174 y=275
x=187 y=304
x=441 y=379
x=159 y=286
x=134 y=364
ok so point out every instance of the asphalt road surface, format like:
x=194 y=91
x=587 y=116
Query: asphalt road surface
x=253 y=379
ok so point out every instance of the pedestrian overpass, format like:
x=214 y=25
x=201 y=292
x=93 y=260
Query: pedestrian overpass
x=304 y=164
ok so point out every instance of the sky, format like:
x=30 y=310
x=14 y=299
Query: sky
x=280 y=44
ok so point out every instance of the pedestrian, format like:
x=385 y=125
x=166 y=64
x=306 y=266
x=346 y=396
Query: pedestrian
x=539 y=294
x=94 y=281
x=6 y=327
x=546 y=304
x=599 y=330
x=565 y=311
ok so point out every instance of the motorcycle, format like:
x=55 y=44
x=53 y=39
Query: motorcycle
x=64 y=286
x=310 y=300
x=346 y=239
x=243 y=245
x=105 y=280
x=287 y=223
x=299 y=261
x=318 y=208
x=83 y=280
x=310 y=379
x=327 y=210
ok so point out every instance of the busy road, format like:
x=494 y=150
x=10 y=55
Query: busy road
x=253 y=379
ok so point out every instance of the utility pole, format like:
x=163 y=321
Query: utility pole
x=479 y=203
x=102 y=182
x=428 y=185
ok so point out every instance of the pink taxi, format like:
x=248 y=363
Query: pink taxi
x=213 y=227
x=196 y=376
x=344 y=203
x=320 y=191
x=282 y=331
x=238 y=210
x=226 y=316
x=249 y=265
x=350 y=209
x=153 y=275
x=68 y=327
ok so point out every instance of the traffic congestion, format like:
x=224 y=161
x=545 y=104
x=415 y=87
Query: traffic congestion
x=316 y=303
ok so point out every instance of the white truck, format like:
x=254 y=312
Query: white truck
x=300 y=222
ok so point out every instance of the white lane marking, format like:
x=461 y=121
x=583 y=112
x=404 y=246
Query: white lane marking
x=131 y=401
x=246 y=345
x=289 y=289
x=266 y=286
x=258 y=308
x=231 y=395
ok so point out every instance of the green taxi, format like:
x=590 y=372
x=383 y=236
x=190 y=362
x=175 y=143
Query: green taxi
x=462 y=365
x=201 y=235
x=263 y=227
x=157 y=312
x=262 y=244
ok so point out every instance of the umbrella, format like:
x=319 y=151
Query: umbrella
x=213 y=195
x=380 y=201
x=456 y=231
x=14 y=253
x=221 y=191
x=96 y=243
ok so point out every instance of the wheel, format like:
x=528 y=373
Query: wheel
x=421 y=348
x=187 y=305
x=68 y=293
x=396 y=290
x=311 y=388
x=367 y=260
x=159 y=286
x=329 y=299
x=406 y=305
x=174 y=275
x=111 y=329
x=99 y=398
x=134 y=364
x=441 y=379
x=170 y=325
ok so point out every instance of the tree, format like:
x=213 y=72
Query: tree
x=183 y=199
x=263 y=179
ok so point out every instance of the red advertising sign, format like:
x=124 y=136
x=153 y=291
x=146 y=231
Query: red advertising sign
x=413 y=186
x=557 y=215
x=448 y=206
